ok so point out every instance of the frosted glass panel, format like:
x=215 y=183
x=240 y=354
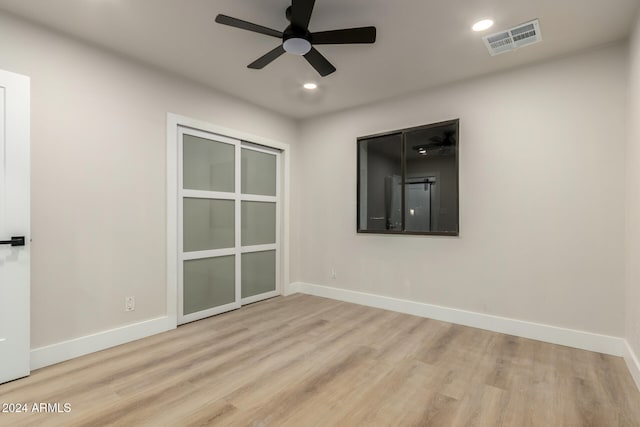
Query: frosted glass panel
x=208 y=283
x=208 y=224
x=208 y=165
x=258 y=223
x=258 y=173
x=258 y=273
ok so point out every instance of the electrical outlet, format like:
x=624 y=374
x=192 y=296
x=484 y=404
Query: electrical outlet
x=129 y=303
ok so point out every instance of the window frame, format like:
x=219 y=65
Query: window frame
x=403 y=133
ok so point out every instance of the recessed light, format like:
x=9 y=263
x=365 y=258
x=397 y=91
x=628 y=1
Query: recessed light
x=485 y=24
x=310 y=86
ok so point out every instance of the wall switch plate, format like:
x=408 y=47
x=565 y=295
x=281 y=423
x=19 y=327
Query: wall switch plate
x=129 y=303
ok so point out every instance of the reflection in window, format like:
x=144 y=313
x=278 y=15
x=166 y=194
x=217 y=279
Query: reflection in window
x=408 y=181
x=380 y=161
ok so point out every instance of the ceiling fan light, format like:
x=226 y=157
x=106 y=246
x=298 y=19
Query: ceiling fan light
x=297 y=46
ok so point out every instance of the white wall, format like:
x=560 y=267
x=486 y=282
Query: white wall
x=541 y=198
x=98 y=176
x=633 y=199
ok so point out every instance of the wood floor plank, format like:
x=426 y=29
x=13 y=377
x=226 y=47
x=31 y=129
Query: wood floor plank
x=309 y=361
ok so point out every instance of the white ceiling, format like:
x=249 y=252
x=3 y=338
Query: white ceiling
x=421 y=43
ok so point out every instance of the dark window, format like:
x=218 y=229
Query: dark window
x=408 y=181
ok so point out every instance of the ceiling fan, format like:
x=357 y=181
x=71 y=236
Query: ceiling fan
x=442 y=145
x=446 y=140
x=297 y=39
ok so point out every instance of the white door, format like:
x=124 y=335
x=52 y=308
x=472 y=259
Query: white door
x=228 y=224
x=260 y=223
x=14 y=226
x=418 y=215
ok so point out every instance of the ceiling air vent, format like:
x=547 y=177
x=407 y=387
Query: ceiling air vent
x=522 y=35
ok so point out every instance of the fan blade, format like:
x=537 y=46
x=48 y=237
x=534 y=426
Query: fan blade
x=266 y=59
x=319 y=62
x=301 y=13
x=244 y=25
x=346 y=36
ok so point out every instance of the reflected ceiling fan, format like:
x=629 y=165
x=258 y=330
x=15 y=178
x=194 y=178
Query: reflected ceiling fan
x=441 y=145
x=448 y=139
x=297 y=39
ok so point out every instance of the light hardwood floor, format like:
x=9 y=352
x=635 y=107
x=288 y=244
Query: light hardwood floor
x=309 y=361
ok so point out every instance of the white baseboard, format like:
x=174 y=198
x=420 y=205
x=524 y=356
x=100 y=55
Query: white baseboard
x=56 y=353
x=633 y=363
x=552 y=334
x=60 y=352
x=292 y=288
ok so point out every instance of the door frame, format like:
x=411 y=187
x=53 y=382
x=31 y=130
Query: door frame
x=174 y=123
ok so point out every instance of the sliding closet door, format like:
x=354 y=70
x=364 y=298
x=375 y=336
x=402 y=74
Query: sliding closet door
x=228 y=234
x=260 y=220
x=209 y=269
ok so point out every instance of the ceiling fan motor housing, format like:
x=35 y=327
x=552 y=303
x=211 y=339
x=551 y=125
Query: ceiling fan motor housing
x=296 y=41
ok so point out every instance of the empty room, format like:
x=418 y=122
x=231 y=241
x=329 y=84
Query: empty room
x=319 y=213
